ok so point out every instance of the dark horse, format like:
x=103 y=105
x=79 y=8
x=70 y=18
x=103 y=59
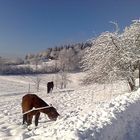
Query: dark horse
x=50 y=86
x=30 y=101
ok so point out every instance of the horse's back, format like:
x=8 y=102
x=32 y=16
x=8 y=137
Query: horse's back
x=31 y=100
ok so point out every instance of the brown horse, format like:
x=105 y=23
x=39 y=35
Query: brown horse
x=50 y=86
x=30 y=101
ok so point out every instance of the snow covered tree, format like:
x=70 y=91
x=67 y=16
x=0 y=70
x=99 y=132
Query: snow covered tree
x=131 y=39
x=113 y=56
x=67 y=59
x=72 y=59
x=100 y=60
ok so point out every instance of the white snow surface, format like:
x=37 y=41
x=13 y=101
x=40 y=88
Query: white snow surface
x=97 y=112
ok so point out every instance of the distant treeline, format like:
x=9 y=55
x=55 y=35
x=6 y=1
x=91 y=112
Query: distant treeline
x=53 y=53
x=63 y=58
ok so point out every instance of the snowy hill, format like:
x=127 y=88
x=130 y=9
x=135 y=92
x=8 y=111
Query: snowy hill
x=95 y=112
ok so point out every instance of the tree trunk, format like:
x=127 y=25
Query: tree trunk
x=131 y=82
x=139 y=72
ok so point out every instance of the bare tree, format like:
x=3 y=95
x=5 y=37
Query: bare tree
x=63 y=78
x=37 y=82
x=68 y=60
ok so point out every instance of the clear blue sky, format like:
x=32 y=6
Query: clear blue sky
x=34 y=25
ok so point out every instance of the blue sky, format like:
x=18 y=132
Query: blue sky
x=30 y=26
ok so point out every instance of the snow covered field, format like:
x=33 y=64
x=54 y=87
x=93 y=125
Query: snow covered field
x=97 y=112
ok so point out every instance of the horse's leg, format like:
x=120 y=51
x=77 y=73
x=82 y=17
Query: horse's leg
x=36 y=118
x=48 y=89
x=24 y=118
x=29 y=118
x=51 y=90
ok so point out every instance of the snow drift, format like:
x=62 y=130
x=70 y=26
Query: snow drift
x=118 y=120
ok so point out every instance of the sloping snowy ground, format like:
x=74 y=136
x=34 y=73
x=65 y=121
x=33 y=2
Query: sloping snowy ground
x=94 y=112
x=117 y=120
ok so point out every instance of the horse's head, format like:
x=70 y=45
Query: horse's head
x=52 y=113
